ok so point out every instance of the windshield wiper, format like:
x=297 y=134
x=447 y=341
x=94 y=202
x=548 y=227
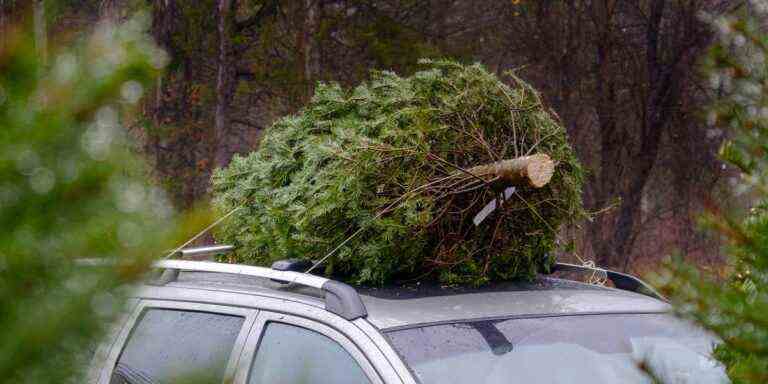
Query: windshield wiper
x=495 y=339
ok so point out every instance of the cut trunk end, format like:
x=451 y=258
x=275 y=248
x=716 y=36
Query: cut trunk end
x=534 y=170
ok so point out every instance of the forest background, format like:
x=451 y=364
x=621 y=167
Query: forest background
x=622 y=75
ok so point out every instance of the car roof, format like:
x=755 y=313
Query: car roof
x=416 y=304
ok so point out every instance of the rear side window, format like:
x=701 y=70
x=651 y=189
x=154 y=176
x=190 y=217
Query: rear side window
x=167 y=345
x=289 y=354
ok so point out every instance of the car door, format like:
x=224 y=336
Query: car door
x=164 y=341
x=295 y=350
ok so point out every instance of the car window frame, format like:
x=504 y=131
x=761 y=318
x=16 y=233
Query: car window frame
x=249 y=316
x=265 y=317
x=98 y=361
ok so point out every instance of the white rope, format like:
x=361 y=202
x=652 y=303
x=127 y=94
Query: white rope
x=599 y=276
x=352 y=236
x=208 y=228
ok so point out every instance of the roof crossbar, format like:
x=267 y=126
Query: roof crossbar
x=204 y=251
x=340 y=298
x=622 y=281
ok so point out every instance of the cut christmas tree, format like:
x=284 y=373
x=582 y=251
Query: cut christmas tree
x=449 y=174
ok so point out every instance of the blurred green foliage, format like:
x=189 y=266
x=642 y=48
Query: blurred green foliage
x=70 y=187
x=736 y=310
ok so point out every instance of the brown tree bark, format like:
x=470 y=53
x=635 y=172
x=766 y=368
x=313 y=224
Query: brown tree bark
x=41 y=31
x=311 y=54
x=114 y=11
x=3 y=24
x=227 y=72
x=607 y=181
x=167 y=20
x=307 y=58
x=628 y=158
x=225 y=82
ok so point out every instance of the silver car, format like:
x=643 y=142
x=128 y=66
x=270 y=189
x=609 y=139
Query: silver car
x=224 y=323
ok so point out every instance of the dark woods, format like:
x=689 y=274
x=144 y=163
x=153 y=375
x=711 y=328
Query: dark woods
x=620 y=74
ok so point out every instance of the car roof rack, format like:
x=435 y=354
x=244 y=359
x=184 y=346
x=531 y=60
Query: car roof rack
x=340 y=298
x=622 y=281
x=205 y=251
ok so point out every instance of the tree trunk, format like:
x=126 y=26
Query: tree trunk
x=612 y=135
x=311 y=54
x=113 y=11
x=3 y=25
x=667 y=65
x=226 y=78
x=164 y=13
x=225 y=83
x=306 y=47
x=41 y=37
x=535 y=170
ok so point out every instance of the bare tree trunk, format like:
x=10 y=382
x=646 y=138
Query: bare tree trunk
x=41 y=37
x=226 y=78
x=113 y=11
x=667 y=67
x=225 y=83
x=164 y=13
x=311 y=54
x=306 y=68
x=3 y=25
x=656 y=119
x=611 y=134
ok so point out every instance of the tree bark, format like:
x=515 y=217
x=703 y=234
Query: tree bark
x=226 y=77
x=113 y=11
x=311 y=55
x=41 y=37
x=225 y=83
x=612 y=136
x=306 y=47
x=667 y=66
x=3 y=31
x=164 y=14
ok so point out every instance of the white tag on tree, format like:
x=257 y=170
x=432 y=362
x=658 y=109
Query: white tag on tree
x=490 y=207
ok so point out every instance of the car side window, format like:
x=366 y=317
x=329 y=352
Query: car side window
x=167 y=345
x=289 y=354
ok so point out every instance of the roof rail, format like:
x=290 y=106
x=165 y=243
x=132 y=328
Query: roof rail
x=340 y=298
x=622 y=281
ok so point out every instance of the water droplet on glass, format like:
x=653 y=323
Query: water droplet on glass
x=70 y=170
x=42 y=180
x=130 y=197
x=65 y=68
x=105 y=305
x=97 y=139
x=27 y=161
x=106 y=117
x=159 y=59
x=129 y=234
x=131 y=91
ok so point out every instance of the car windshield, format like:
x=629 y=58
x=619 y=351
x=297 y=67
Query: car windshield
x=604 y=348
